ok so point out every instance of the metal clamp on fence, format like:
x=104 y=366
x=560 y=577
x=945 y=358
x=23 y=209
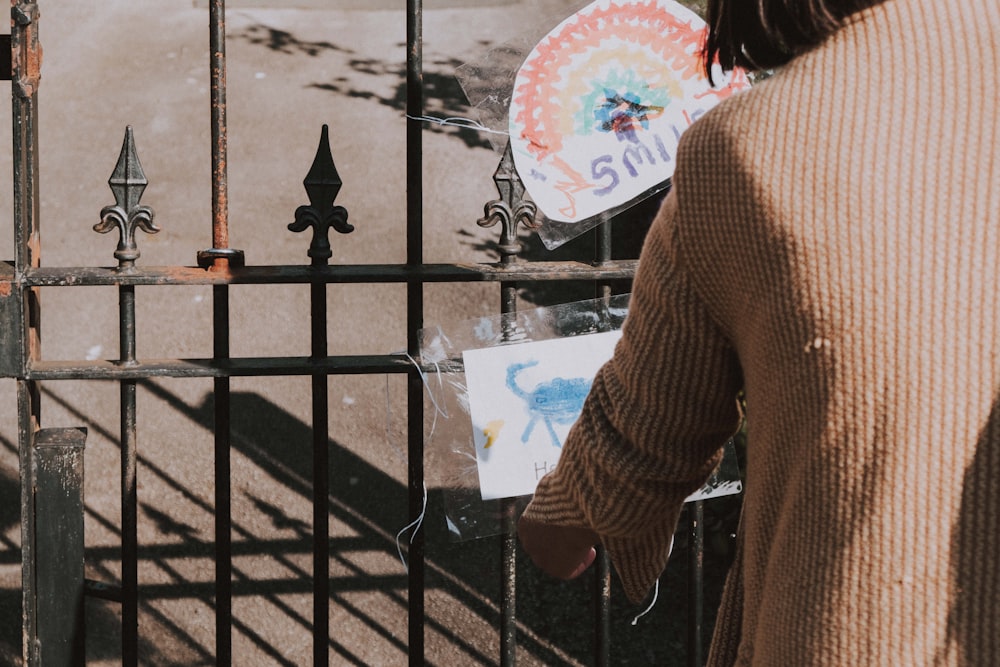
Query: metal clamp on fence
x=206 y=258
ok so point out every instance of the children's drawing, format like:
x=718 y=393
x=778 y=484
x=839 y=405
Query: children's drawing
x=556 y=401
x=523 y=399
x=600 y=104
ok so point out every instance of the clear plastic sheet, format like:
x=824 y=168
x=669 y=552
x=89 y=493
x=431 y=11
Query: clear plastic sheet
x=488 y=82
x=451 y=455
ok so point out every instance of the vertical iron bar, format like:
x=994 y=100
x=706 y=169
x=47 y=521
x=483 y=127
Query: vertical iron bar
x=696 y=558
x=602 y=608
x=28 y=401
x=508 y=552
x=130 y=551
x=220 y=196
x=58 y=484
x=223 y=505
x=321 y=479
x=602 y=571
x=322 y=184
x=25 y=76
x=415 y=322
x=219 y=257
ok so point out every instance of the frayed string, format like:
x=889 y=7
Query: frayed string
x=415 y=525
x=656 y=590
x=656 y=594
x=418 y=522
x=455 y=121
x=438 y=410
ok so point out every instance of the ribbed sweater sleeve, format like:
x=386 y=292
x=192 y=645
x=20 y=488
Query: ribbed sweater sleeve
x=653 y=426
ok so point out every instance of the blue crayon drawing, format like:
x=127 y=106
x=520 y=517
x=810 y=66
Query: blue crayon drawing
x=556 y=401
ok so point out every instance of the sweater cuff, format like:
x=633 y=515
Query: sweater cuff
x=639 y=559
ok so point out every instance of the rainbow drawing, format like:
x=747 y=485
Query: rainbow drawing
x=600 y=102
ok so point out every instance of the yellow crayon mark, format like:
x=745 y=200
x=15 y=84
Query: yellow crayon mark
x=492 y=432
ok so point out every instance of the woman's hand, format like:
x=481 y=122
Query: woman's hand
x=561 y=552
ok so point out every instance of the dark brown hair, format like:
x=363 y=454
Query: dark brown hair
x=760 y=34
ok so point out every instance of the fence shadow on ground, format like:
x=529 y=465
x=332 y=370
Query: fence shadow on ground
x=555 y=617
x=369 y=585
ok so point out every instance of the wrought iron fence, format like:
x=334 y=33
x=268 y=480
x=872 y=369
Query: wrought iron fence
x=51 y=460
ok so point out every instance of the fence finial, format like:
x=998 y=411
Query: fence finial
x=322 y=185
x=513 y=207
x=127 y=183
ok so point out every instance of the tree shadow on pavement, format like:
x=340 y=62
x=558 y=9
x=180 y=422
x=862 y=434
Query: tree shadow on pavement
x=443 y=95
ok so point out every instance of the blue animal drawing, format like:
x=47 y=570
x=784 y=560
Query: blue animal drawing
x=555 y=401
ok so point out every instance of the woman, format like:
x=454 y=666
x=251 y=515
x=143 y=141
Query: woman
x=831 y=246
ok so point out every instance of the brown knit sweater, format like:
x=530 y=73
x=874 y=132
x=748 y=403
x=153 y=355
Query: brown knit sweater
x=832 y=245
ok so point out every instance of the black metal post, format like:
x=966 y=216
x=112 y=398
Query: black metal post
x=58 y=484
x=602 y=570
x=696 y=598
x=508 y=536
x=126 y=215
x=602 y=608
x=129 y=456
x=321 y=480
x=223 y=503
x=415 y=322
x=510 y=210
x=322 y=185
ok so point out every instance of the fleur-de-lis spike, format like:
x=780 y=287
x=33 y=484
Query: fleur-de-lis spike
x=128 y=180
x=322 y=185
x=513 y=208
x=127 y=183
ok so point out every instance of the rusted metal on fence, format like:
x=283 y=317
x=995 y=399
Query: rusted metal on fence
x=220 y=255
x=340 y=274
x=25 y=79
x=220 y=258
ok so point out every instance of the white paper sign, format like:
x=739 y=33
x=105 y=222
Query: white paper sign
x=523 y=399
x=600 y=104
